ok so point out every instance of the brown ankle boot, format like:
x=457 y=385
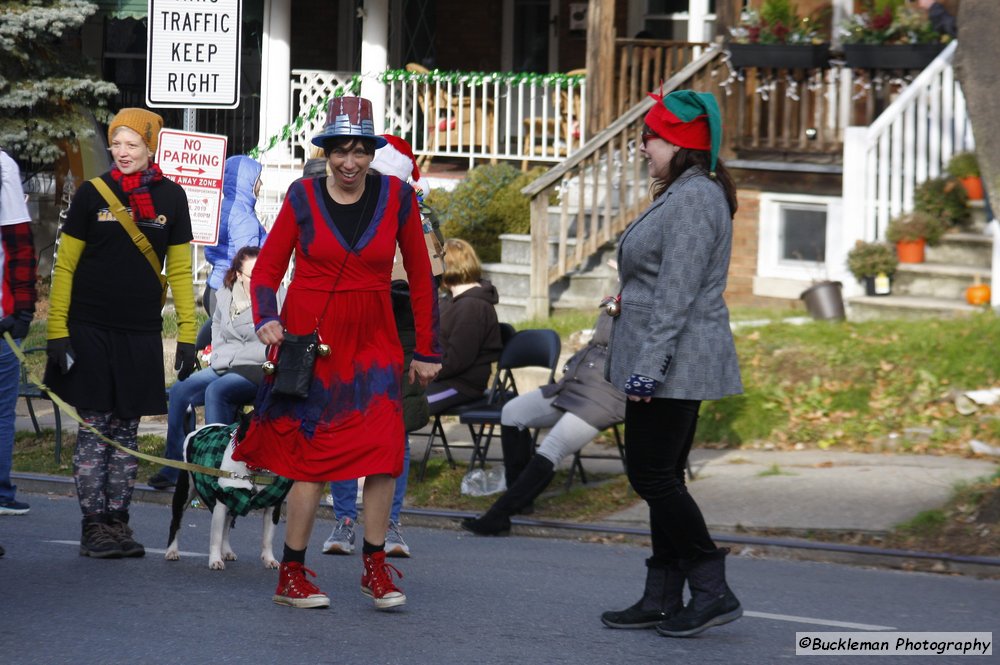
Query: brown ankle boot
x=98 y=540
x=118 y=523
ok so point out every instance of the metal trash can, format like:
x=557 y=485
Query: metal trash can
x=825 y=301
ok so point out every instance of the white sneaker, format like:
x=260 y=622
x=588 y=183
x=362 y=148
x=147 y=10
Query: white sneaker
x=394 y=543
x=341 y=540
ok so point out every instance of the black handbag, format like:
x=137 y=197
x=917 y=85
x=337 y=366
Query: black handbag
x=296 y=360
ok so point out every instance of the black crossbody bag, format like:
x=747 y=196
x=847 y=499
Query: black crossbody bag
x=296 y=362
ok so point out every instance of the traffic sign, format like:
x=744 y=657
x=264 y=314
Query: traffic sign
x=193 y=54
x=195 y=162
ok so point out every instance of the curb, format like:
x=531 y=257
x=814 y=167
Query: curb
x=798 y=549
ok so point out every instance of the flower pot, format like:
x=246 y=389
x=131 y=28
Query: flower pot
x=911 y=251
x=779 y=56
x=878 y=285
x=973 y=187
x=890 y=56
x=824 y=301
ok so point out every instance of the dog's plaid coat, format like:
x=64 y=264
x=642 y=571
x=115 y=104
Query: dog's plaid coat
x=207 y=446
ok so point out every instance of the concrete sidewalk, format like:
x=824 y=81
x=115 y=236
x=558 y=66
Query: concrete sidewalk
x=787 y=491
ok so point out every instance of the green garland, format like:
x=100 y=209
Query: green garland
x=435 y=76
x=480 y=78
x=317 y=109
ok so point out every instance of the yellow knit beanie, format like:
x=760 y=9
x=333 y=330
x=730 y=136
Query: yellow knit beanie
x=144 y=123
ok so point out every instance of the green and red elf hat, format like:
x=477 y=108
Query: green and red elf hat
x=688 y=119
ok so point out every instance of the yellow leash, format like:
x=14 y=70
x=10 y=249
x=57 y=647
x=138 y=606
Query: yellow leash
x=187 y=466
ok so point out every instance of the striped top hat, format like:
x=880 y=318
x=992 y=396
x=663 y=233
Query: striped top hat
x=348 y=116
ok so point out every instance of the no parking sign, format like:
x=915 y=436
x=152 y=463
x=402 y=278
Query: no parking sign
x=195 y=162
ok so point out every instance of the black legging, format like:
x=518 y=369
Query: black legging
x=658 y=437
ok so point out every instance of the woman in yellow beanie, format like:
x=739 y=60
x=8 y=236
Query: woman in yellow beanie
x=105 y=350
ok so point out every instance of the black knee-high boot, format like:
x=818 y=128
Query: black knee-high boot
x=516 y=444
x=532 y=482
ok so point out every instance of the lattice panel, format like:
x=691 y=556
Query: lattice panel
x=309 y=88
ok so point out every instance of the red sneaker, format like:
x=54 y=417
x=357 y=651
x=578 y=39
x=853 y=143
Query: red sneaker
x=377 y=582
x=295 y=590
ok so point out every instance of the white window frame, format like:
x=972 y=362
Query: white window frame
x=697 y=17
x=782 y=278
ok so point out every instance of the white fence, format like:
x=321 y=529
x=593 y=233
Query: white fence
x=459 y=114
x=911 y=141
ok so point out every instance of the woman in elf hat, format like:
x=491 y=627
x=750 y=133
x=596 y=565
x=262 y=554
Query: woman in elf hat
x=344 y=229
x=671 y=348
x=104 y=326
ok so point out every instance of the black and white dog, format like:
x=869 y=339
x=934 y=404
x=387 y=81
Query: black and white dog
x=227 y=498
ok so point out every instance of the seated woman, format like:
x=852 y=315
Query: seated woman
x=576 y=409
x=234 y=370
x=470 y=331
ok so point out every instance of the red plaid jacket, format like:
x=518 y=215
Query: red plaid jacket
x=18 y=268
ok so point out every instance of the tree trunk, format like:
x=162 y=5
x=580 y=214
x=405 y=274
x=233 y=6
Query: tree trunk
x=976 y=66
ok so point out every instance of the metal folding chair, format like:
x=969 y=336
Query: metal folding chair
x=528 y=348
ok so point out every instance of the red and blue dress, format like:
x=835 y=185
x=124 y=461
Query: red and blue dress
x=351 y=424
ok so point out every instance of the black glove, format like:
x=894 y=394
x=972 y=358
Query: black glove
x=60 y=354
x=17 y=324
x=185 y=362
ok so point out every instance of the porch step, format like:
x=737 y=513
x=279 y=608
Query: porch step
x=581 y=289
x=937 y=280
x=963 y=248
x=868 y=308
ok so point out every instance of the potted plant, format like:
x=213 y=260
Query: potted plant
x=910 y=232
x=965 y=167
x=944 y=199
x=776 y=37
x=890 y=34
x=873 y=264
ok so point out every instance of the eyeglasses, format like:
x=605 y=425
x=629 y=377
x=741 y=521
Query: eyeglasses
x=644 y=137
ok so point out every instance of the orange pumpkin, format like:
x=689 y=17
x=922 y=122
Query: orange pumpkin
x=978 y=294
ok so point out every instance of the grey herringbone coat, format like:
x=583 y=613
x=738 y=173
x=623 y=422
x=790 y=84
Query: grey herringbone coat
x=673 y=261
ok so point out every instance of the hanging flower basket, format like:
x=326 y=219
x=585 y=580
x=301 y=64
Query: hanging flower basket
x=779 y=56
x=890 y=56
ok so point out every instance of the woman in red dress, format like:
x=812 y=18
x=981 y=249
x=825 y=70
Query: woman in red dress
x=344 y=229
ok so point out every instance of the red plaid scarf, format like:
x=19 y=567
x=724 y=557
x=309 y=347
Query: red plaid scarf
x=136 y=185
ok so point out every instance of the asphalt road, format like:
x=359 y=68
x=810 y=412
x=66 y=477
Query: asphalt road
x=472 y=600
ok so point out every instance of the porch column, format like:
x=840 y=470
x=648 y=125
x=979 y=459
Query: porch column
x=841 y=10
x=275 y=76
x=374 y=58
x=600 y=64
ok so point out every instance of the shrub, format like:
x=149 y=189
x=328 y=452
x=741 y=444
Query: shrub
x=913 y=226
x=963 y=165
x=484 y=205
x=868 y=259
x=944 y=199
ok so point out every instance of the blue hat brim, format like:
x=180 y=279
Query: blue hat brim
x=325 y=135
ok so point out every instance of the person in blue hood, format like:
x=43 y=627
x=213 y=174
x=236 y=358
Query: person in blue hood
x=238 y=225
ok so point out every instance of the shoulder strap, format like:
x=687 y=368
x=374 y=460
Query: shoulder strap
x=125 y=220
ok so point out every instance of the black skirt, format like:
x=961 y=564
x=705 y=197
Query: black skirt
x=113 y=371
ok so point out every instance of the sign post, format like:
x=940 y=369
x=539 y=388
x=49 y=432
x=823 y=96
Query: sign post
x=193 y=54
x=195 y=162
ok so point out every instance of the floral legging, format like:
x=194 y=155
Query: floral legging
x=104 y=475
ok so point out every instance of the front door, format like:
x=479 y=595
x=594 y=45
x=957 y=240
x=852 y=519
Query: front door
x=531 y=35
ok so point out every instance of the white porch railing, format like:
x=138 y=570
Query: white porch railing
x=465 y=115
x=911 y=141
